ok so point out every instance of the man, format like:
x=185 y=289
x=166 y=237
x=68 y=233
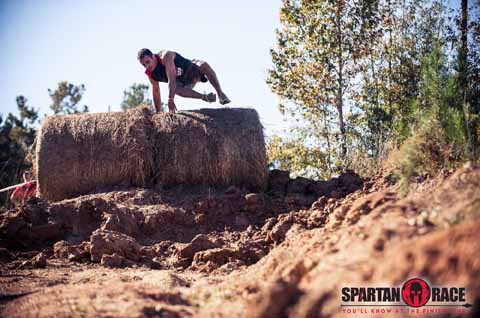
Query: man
x=26 y=190
x=181 y=74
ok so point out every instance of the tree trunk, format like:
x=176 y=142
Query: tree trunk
x=463 y=70
x=339 y=100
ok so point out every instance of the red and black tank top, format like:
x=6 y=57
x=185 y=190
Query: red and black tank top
x=159 y=74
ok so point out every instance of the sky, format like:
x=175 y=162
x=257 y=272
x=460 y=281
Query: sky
x=95 y=43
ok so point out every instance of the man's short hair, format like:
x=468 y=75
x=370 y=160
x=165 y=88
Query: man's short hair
x=144 y=52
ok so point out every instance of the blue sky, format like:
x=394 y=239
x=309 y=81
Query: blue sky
x=95 y=43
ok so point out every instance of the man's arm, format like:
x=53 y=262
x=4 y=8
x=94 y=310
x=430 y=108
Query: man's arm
x=168 y=61
x=156 y=95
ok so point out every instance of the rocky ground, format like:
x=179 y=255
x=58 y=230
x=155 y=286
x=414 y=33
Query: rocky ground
x=228 y=253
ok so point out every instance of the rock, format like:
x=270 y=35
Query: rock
x=109 y=242
x=39 y=261
x=269 y=223
x=319 y=188
x=279 y=230
x=112 y=261
x=297 y=200
x=273 y=300
x=200 y=218
x=161 y=218
x=254 y=198
x=5 y=254
x=335 y=194
x=203 y=205
x=46 y=232
x=216 y=257
x=317 y=218
x=241 y=221
x=199 y=243
x=351 y=180
x=298 y=185
x=12 y=224
x=320 y=203
x=232 y=190
x=156 y=263
x=73 y=253
x=123 y=222
x=277 y=181
x=255 y=202
x=367 y=203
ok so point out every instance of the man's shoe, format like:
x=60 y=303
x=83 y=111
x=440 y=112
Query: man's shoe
x=224 y=101
x=210 y=97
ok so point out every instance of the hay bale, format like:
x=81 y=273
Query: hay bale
x=210 y=147
x=84 y=153
x=77 y=154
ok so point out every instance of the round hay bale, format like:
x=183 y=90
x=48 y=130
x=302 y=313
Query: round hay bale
x=81 y=153
x=210 y=147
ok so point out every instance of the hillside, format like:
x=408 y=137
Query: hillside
x=226 y=253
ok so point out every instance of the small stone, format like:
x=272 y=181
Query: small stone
x=232 y=190
x=112 y=261
x=335 y=194
x=39 y=261
x=241 y=221
x=320 y=203
x=254 y=198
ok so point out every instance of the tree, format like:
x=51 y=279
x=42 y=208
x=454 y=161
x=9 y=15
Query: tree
x=135 y=95
x=290 y=154
x=65 y=98
x=354 y=72
x=314 y=61
x=17 y=136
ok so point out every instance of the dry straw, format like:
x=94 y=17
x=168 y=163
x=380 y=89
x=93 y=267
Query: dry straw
x=80 y=153
x=84 y=153
x=217 y=147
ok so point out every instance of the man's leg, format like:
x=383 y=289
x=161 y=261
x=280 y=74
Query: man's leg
x=187 y=92
x=212 y=77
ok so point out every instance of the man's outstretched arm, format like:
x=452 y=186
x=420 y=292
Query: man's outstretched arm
x=156 y=95
x=172 y=79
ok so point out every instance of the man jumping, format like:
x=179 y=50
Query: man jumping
x=181 y=74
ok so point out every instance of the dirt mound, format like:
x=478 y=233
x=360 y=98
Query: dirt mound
x=284 y=253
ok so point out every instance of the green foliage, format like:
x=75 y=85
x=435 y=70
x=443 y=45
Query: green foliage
x=439 y=138
x=402 y=71
x=423 y=154
x=65 y=98
x=18 y=133
x=294 y=155
x=135 y=95
x=17 y=136
x=314 y=63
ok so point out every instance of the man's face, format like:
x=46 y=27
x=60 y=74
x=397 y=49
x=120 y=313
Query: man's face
x=148 y=62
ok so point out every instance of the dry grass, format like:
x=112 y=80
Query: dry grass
x=80 y=153
x=215 y=147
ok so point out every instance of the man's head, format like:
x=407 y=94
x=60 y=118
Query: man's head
x=27 y=176
x=145 y=57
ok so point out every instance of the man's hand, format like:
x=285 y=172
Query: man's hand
x=171 y=106
x=156 y=95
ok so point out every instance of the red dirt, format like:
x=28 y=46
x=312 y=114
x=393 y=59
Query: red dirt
x=227 y=253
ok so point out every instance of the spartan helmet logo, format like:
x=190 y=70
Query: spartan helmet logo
x=416 y=293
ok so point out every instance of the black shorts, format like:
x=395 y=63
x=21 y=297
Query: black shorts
x=193 y=75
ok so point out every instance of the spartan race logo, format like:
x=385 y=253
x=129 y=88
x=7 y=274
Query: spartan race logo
x=414 y=294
